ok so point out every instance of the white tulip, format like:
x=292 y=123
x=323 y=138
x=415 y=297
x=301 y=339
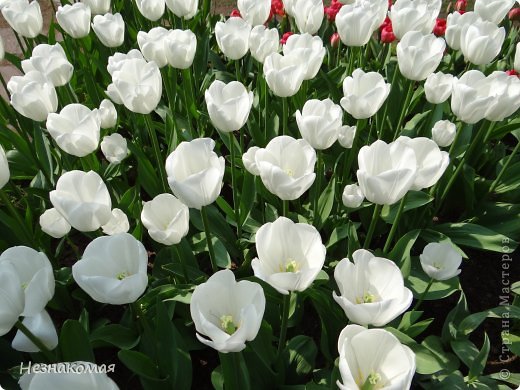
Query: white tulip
x=114 y=148
x=440 y=261
x=516 y=64
x=74 y=19
x=454 y=25
x=364 y=93
x=249 y=160
x=346 y=136
x=319 y=122
x=180 y=47
x=53 y=223
x=372 y=290
x=444 y=132
x=263 y=41
x=98 y=7
x=309 y=49
x=308 y=15
x=116 y=61
x=35 y=275
x=414 y=15
x=357 y=22
x=50 y=60
x=419 y=55
x=183 y=8
x=493 y=10
x=151 y=9
x=255 y=12
x=113 y=269
x=373 y=359
x=481 y=41
x=227 y=312
x=290 y=255
x=76 y=129
x=118 y=223
x=110 y=29
x=12 y=298
x=505 y=91
x=284 y=74
x=352 y=196
x=25 y=18
x=166 y=218
x=42 y=327
x=5 y=174
x=152 y=45
x=195 y=172
x=233 y=37
x=83 y=200
x=108 y=114
x=438 y=87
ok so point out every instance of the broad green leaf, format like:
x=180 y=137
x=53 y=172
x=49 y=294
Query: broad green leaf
x=74 y=343
x=116 y=335
x=299 y=357
x=139 y=363
x=478 y=365
x=400 y=254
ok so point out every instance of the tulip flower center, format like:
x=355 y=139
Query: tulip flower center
x=290 y=266
x=372 y=382
x=368 y=297
x=289 y=172
x=122 y=275
x=227 y=324
x=438 y=266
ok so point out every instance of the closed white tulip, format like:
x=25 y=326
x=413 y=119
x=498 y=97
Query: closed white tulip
x=505 y=91
x=481 y=41
x=386 y=171
x=195 y=172
x=138 y=85
x=290 y=255
x=249 y=160
x=263 y=41
x=227 y=313
x=42 y=327
x=110 y=29
x=319 y=122
x=166 y=218
x=5 y=174
x=493 y=10
x=414 y=15
x=12 y=298
x=53 y=223
x=255 y=12
x=84 y=376
x=444 y=132
x=233 y=37
x=352 y=196
x=74 y=19
x=228 y=105
x=309 y=49
x=98 y=7
x=180 y=47
x=183 y=8
x=33 y=95
x=374 y=359
x=470 y=97
x=364 y=93
x=419 y=55
x=346 y=136
x=284 y=74
x=372 y=290
x=108 y=114
x=152 y=45
x=118 y=223
x=440 y=260
x=455 y=22
x=25 y=18
x=286 y=166
x=114 y=148
x=516 y=64
x=357 y=22
x=113 y=269
x=431 y=161
x=35 y=274
x=438 y=87
x=116 y=61
x=50 y=60
x=76 y=129
x=151 y=9
x=83 y=200
x=308 y=15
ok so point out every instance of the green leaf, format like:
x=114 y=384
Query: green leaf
x=418 y=281
x=139 y=363
x=74 y=343
x=116 y=335
x=400 y=254
x=473 y=321
x=299 y=357
x=325 y=203
x=478 y=365
x=465 y=350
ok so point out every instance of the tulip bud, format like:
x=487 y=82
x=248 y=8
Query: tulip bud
x=83 y=200
x=335 y=40
x=440 y=261
x=319 y=122
x=277 y=8
x=284 y=74
x=493 y=10
x=116 y=61
x=308 y=15
x=438 y=87
x=118 y=223
x=461 y=5
x=151 y=9
x=440 y=27
x=284 y=265
x=255 y=12
x=512 y=72
x=4 y=168
x=180 y=47
x=42 y=327
x=443 y=133
x=352 y=196
x=166 y=218
x=114 y=148
x=53 y=223
x=11 y=297
x=285 y=37
x=113 y=269
x=25 y=18
x=514 y=15
x=183 y=8
x=98 y=7
x=228 y=105
x=110 y=29
x=419 y=55
x=365 y=355
x=387 y=35
x=235 y=13
x=108 y=114
x=74 y=19
x=50 y=60
x=76 y=129
x=372 y=290
x=490 y=38
x=263 y=41
x=227 y=323
x=233 y=37
x=346 y=136
x=308 y=47
x=33 y=95
x=152 y=45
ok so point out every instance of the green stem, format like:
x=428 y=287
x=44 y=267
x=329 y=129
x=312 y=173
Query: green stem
x=504 y=169
x=404 y=108
x=353 y=151
x=382 y=122
x=285 y=320
x=205 y=222
x=285 y=208
x=285 y=115
x=183 y=264
x=372 y=227
x=236 y=202
x=319 y=175
x=187 y=85
x=237 y=69
x=423 y=295
x=395 y=225
x=157 y=152
x=36 y=341
x=170 y=81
